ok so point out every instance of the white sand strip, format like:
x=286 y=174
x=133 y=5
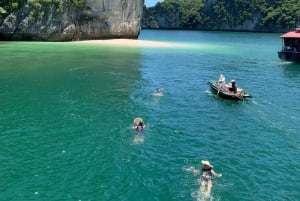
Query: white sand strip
x=131 y=43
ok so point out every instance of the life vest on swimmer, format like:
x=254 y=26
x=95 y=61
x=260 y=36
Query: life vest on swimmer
x=206 y=174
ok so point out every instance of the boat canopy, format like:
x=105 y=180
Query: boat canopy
x=292 y=34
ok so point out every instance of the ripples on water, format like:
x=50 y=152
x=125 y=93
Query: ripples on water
x=66 y=120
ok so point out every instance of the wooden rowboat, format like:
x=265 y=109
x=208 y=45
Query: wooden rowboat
x=224 y=92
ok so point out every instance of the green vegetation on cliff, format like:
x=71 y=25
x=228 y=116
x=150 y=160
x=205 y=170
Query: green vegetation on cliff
x=249 y=15
x=38 y=6
x=67 y=20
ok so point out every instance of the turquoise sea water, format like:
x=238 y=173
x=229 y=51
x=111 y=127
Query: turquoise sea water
x=67 y=109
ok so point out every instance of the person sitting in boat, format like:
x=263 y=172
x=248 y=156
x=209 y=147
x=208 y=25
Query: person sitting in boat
x=232 y=87
x=288 y=48
x=295 y=49
x=221 y=82
x=221 y=78
x=139 y=129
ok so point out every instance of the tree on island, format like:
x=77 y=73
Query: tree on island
x=244 y=15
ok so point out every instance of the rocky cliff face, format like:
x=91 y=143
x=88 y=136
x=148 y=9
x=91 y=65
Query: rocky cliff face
x=95 y=19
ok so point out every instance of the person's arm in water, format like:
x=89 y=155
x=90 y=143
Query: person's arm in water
x=194 y=170
x=216 y=174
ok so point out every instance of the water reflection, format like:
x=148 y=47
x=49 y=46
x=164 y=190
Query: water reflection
x=291 y=71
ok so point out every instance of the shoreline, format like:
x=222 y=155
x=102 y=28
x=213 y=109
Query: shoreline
x=130 y=43
x=118 y=43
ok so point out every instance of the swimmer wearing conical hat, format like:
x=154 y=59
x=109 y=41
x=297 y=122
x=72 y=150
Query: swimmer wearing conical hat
x=206 y=177
x=138 y=121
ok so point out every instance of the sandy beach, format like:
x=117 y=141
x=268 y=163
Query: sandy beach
x=131 y=43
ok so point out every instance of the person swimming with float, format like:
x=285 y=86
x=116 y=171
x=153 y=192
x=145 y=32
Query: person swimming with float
x=207 y=173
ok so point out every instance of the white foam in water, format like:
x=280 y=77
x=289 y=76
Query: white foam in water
x=203 y=196
x=198 y=196
x=285 y=62
x=158 y=94
x=189 y=168
x=192 y=169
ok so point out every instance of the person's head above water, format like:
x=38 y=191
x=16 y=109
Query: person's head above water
x=206 y=164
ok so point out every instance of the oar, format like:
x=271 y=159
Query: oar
x=218 y=90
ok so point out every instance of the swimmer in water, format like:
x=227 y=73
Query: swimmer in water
x=136 y=122
x=140 y=128
x=207 y=173
x=159 y=91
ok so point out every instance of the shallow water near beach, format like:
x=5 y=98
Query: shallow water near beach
x=67 y=110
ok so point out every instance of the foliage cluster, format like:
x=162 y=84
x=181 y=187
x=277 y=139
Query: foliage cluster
x=39 y=7
x=208 y=14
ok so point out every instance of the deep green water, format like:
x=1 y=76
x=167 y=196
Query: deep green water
x=66 y=113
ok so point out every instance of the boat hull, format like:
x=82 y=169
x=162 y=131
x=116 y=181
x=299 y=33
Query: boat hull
x=226 y=94
x=289 y=56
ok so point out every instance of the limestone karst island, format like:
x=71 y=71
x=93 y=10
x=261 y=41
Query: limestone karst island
x=69 y=20
x=74 y=20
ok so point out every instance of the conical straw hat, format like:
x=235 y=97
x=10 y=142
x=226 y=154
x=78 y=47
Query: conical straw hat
x=137 y=120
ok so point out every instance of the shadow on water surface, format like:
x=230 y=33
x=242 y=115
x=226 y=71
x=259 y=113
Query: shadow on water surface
x=291 y=69
x=217 y=99
x=291 y=73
